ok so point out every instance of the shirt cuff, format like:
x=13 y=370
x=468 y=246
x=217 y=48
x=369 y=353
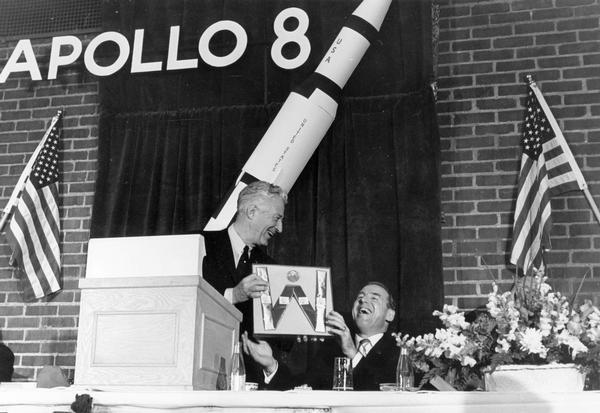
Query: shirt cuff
x=269 y=377
x=228 y=294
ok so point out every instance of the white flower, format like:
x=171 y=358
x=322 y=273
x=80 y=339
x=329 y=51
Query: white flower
x=531 y=341
x=453 y=344
x=421 y=365
x=577 y=346
x=457 y=321
x=428 y=345
x=545 y=323
x=452 y=318
x=593 y=334
x=587 y=309
x=592 y=314
x=562 y=317
x=468 y=361
x=530 y=319
x=544 y=287
x=574 y=325
x=404 y=340
x=502 y=346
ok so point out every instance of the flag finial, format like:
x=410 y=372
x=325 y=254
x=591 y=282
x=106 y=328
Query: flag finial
x=530 y=79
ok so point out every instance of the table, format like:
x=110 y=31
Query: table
x=15 y=400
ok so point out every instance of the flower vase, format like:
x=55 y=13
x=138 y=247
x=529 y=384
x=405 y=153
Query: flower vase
x=535 y=378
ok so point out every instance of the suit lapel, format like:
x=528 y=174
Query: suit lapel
x=377 y=352
x=218 y=247
x=227 y=257
x=221 y=248
x=379 y=366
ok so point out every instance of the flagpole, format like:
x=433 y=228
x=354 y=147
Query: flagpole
x=563 y=143
x=8 y=208
x=592 y=203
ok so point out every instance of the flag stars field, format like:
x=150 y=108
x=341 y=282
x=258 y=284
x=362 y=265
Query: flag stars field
x=34 y=229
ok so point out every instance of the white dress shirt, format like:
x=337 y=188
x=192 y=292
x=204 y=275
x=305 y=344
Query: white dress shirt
x=237 y=245
x=357 y=339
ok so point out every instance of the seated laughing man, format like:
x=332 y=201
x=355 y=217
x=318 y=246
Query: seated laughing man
x=371 y=348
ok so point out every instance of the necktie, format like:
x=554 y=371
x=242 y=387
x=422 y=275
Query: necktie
x=244 y=266
x=244 y=258
x=364 y=346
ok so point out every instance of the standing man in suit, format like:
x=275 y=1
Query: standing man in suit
x=371 y=348
x=230 y=253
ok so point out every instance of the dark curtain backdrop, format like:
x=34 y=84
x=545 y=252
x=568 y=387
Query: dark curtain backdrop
x=368 y=202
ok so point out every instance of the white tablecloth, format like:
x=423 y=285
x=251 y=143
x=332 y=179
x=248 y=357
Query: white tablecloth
x=18 y=400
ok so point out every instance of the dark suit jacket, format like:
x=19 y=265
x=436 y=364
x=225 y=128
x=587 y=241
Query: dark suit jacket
x=7 y=360
x=219 y=269
x=378 y=367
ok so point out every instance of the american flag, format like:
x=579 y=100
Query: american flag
x=34 y=229
x=547 y=168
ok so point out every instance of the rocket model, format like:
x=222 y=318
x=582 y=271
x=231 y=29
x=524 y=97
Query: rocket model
x=307 y=113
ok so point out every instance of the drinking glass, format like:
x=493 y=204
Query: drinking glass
x=342 y=374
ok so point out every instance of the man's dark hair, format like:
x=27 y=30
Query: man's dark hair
x=391 y=303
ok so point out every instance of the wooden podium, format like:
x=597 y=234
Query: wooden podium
x=148 y=319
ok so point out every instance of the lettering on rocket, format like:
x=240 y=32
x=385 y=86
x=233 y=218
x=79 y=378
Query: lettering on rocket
x=312 y=105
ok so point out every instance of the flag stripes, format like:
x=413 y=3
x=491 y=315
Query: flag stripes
x=547 y=168
x=533 y=222
x=34 y=229
x=560 y=172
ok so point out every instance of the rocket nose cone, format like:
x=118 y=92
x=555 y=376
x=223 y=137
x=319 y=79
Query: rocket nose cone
x=373 y=11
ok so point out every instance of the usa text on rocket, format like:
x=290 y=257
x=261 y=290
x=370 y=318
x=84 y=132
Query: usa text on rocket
x=307 y=113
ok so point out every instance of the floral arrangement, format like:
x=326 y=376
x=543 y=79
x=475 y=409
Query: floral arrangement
x=530 y=324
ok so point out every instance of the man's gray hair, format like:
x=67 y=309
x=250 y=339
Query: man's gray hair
x=257 y=190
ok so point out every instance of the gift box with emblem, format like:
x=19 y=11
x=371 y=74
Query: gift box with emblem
x=296 y=303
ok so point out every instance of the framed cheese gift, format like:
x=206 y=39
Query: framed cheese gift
x=296 y=302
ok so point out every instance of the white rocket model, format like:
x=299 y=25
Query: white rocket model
x=307 y=113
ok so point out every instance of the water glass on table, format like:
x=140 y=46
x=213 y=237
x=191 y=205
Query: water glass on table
x=342 y=374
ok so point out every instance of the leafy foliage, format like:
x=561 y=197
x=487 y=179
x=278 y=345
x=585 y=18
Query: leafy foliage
x=530 y=324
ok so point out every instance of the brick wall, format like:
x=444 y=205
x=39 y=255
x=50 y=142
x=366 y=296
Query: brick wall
x=486 y=48
x=45 y=332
